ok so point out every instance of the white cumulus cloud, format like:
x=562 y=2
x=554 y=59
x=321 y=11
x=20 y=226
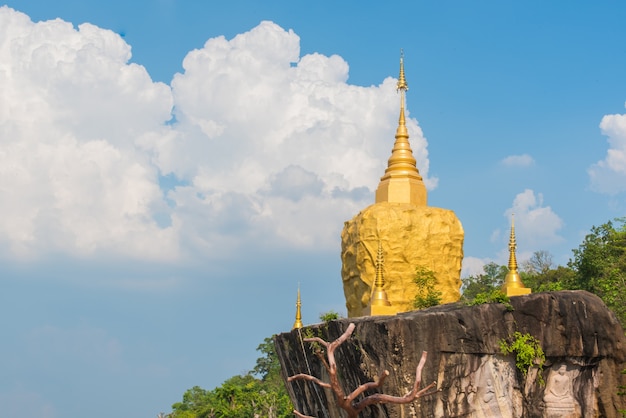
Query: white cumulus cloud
x=254 y=139
x=536 y=225
x=71 y=110
x=472 y=266
x=609 y=175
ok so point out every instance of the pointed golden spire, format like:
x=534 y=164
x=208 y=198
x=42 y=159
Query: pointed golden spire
x=379 y=297
x=512 y=246
x=298 y=323
x=513 y=284
x=402 y=85
x=402 y=182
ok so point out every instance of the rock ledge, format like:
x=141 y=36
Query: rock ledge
x=584 y=345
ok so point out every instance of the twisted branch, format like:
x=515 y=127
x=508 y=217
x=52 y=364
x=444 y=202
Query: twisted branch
x=347 y=402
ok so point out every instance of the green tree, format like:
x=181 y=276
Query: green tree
x=485 y=283
x=267 y=366
x=329 y=316
x=427 y=294
x=539 y=273
x=260 y=392
x=600 y=265
x=559 y=278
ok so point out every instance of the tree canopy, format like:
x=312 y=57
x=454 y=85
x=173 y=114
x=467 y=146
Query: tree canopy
x=490 y=280
x=258 y=393
x=598 y=265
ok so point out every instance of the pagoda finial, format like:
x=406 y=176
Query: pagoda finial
x=513 y=284
x=512 y=246
x=298 y=323
x=402 y=182
x=379 y=297
x=402 y=85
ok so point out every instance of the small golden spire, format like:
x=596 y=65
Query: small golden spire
x=513 y=284
x=298 y=323
x=402 y=85
x=402 y=182
x=512 y=246
x=379 y=297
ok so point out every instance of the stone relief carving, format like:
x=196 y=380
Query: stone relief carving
x=485 y=388
x=483 y=392
x=559 y=395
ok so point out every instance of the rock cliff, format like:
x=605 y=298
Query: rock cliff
x=584 y=345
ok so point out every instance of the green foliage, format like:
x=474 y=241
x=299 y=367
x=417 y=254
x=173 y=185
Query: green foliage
x=267 y=366
x=260 y=392
x=309 y=333
x=559 y=278
x=427 y=294
x=490 y=280
x=600 y=265
x=494 y=296
x=528 y=353
x=329 y=316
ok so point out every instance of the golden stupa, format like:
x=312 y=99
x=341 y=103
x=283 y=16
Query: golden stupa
x=513 y=285
x=298 y=323
x=379 y=302
x=411 y=235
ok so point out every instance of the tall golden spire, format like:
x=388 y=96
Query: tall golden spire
x=513 y=284
x=379 y=302
x=298 y=323
x=379 y=297
x=512 y=247
x=402 y=182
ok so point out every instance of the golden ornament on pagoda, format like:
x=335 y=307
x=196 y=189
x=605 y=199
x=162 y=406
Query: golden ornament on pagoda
x=298 y=323
x=513 y=285
x=379 y=303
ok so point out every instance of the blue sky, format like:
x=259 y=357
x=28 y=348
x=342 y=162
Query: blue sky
x=163 y=196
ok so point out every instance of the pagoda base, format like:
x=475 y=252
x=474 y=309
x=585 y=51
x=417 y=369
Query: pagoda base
x=379 y=310
x=517 y=291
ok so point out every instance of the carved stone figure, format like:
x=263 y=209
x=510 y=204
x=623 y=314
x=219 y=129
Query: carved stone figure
x=558 y=397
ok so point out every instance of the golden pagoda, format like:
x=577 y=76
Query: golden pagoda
x=402 y=182
x=513 y=285
x=379 y=303
x=298 y=323
x=410 y=233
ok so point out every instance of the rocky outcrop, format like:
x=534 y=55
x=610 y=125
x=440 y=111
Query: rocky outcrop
x=584 y=345
x=411 y=236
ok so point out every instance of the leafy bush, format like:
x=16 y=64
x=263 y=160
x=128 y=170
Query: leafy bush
x=329 y=316
x=494 y=296
x=528 y=353
x=427 y=294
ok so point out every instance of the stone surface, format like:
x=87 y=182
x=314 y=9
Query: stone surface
x=411 y=236
x=584 y=344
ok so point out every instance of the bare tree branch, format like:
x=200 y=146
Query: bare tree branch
x=409 y=397
x=304 y=376
x=369 y=385
x=346 y=402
